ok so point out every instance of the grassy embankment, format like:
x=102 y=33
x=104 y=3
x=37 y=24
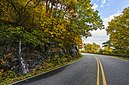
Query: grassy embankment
x=49 y=64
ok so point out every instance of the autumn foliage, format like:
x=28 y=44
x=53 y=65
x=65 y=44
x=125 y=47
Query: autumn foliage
x=45 y=28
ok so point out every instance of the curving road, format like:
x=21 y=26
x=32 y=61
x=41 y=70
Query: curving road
x=91 y=70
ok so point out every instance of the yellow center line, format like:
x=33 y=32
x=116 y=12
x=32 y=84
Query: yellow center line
x=103 y=74
x=98 y=72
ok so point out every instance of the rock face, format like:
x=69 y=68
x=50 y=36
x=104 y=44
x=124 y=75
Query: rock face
x=29 y=57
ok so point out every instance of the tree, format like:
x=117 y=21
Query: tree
x=44 y=24
x=107 y=43
x=118 y=32
x=92 y=48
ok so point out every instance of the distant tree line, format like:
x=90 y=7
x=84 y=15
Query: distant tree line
x=95 y=48
x=91 y=48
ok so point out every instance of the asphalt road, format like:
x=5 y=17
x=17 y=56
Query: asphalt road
x=91 y=70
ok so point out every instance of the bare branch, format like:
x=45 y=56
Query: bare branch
x=27 y=3
x=37 y=3
x=14 y=7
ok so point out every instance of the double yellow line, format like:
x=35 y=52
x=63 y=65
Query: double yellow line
x=100 y=68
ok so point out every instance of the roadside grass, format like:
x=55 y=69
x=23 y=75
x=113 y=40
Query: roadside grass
x=123 y=58
x=114 y=56
x=48 y=65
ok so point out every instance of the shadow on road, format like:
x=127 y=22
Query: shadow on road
x=46 y=75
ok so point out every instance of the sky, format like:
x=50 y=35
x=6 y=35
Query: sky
x=107 y=10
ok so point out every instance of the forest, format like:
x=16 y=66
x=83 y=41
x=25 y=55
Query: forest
x=36 y=34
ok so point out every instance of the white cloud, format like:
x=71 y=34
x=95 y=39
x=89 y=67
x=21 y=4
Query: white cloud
x=100 y=36
x=103 y=1
x=95 y=6
x=109 y=2
x=108 y=19
x=102 y=5
x=98 y=32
